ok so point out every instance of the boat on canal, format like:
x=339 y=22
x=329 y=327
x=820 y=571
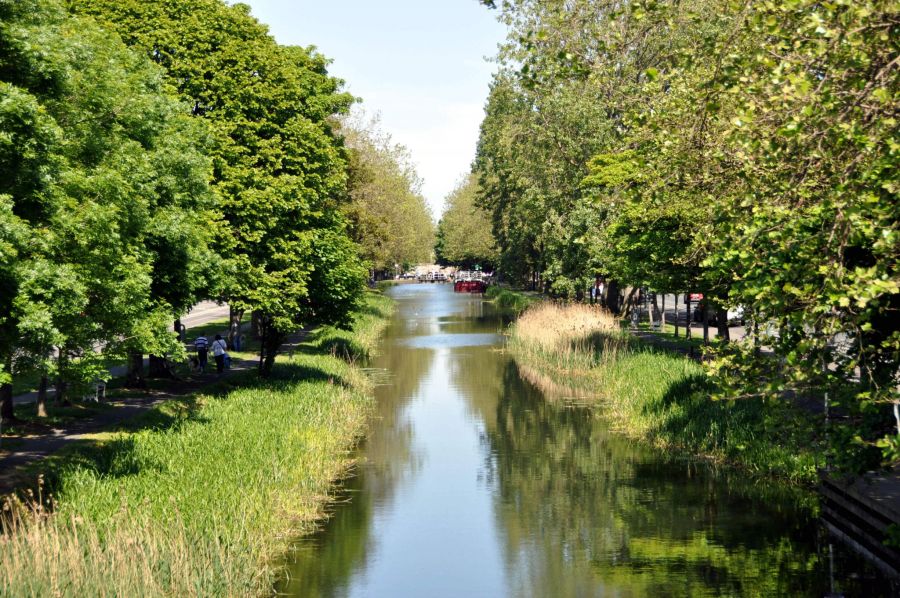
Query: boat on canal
x=470 y=282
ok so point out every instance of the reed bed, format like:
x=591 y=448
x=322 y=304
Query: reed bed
x=204 y=503
x=659 y=396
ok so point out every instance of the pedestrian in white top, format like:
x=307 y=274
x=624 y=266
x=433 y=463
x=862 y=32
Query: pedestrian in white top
x=220 y=350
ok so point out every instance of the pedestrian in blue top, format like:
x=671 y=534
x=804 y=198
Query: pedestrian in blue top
x=202 y=347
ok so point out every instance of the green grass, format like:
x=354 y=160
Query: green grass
x=669 y=340
x=515 y=301
x=667 y=399
x=202 y=495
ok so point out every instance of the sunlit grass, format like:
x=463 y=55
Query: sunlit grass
x=205 y=493
x=515 y=301
x=660 y=396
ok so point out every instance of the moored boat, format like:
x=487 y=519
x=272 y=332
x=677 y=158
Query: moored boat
x=470 y=282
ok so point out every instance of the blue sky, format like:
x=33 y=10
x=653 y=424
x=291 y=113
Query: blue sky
x=419 y=63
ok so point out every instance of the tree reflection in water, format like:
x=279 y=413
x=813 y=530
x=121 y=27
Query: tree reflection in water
x=586 y=512
x=572 y=508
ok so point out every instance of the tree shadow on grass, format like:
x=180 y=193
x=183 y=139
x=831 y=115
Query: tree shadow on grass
x=296 y=372
x=117 y=455
x=325 y=342
x=687 y=414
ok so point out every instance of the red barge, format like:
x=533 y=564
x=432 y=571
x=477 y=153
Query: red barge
x=470 y=282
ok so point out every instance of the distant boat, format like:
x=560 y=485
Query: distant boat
x=470 y=282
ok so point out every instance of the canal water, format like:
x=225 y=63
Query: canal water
x=473 y=483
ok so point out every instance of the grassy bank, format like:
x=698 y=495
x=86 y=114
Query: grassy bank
x=203 y=494
x=508 y=299
x=658 y=395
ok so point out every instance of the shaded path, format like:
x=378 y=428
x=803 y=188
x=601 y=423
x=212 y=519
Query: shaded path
x=32 y=449
x=202 y=313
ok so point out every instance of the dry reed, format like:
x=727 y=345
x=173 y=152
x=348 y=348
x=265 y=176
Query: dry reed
x=553 y=326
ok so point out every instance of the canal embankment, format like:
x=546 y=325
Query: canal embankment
x=659 y=395
x=201 y=495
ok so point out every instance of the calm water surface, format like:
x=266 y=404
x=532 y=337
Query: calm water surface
x=473 y=483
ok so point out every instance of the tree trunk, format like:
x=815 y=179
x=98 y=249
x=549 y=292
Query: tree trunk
x=159 y=367
x=274 y=340
x=675 y=320
x=722 y=324
x=629 y=302
x=662 y=312
x=705 y=316
x=756 y=348
x=180 y=330
x=6 y=403
x=612 y=296
x=268 y=349
x=135 y=377
x=687 y=324
x=256 y=324
x=234 y=327
x=657 y=315
x=263 y=333
x=41 y=402
x=62 y=386
x=7 y=412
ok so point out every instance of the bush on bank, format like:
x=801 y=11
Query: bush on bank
x=205 y=499
x=507 y=299
x=661 y=396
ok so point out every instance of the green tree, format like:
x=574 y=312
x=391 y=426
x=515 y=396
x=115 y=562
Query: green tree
x=570 y=74
x=388 y=214
x=464 y=232
x=809 y=238
x=101 y=168
x=279 y=168
x=750 y=154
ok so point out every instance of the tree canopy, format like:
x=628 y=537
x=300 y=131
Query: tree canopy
x=104 y=201
x=743 y=150
x=279 y=167
x=388 y=214
x=464 y=233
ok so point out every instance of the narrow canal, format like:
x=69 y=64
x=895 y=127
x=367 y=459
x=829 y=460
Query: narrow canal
x=473 y=483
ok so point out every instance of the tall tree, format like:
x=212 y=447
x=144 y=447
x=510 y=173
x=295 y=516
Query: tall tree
x=102 y=167
x=750 y=152
x=464 y=232
x=389 y=217
x=810 y=237
x=279 y=168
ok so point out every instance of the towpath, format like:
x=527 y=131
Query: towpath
x=25 y=451
x=202 y=313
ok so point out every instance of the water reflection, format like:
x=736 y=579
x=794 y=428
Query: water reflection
x=473 y=484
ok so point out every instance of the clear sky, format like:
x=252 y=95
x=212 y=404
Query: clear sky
x=419 y=63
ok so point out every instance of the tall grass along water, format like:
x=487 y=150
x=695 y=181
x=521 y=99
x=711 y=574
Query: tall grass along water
x=202 y=498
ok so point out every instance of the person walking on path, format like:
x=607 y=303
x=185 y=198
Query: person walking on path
x=202 y=347
x=219 y=351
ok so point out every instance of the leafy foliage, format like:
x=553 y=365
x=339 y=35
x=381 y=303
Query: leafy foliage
x=388 y=214
x=279 y=169
x=106 y=200
x=464 y=232
x=745 y=150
